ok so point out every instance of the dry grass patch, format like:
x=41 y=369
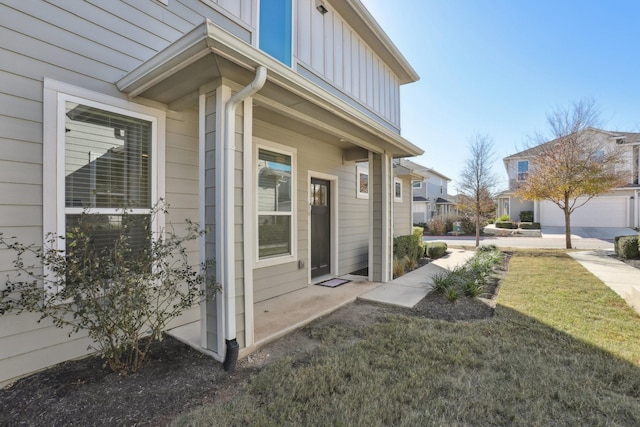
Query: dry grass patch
x=538 y=361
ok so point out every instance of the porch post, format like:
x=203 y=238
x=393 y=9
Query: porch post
x=380 y=199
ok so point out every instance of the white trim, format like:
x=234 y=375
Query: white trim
x=202 y=241
x=248 y=238
x=361 y=169
x=370 y=254
x=223 y=93
x=292 y=152
x=55 y=96
x=333 y=181
x=395 y=197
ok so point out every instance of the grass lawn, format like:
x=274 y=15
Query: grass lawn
x=562 y=349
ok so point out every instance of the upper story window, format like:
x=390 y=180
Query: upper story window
x=275 y=29
x=523 y=170
x=417 y=184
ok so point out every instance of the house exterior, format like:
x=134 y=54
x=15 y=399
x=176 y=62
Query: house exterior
x=430 y=193
x=618 y=208
x=251 y=116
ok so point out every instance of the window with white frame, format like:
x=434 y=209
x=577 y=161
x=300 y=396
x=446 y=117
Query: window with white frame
x=523 y=170
x=397 y=189
x=417 y=184
x=276 y=201
x=101 y=161
x=362 y=182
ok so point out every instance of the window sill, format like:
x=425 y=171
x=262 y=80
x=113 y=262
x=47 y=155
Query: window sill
x=277 y=260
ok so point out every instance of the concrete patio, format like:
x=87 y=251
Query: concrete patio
x=278 y=316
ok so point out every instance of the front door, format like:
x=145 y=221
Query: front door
x=320 y=227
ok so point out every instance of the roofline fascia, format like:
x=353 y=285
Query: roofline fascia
x=208 y=38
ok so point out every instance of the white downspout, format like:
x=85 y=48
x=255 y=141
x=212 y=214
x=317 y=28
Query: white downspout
x=228 y=198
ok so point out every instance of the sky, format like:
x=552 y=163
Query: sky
x=500 y=67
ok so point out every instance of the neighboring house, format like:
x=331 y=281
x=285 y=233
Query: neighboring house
x=618 y=208
x=430 y=193
x=247 y=115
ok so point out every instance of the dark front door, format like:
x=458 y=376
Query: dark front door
x=320 y=227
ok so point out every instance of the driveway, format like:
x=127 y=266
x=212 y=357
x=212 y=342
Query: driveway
x=552 y=238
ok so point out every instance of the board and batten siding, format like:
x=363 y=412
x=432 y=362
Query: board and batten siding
x=353 y=222
x=328 y=47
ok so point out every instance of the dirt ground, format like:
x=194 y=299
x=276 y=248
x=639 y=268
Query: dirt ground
x=84 y=392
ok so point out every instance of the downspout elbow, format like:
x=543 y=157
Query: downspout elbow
x=232 y=347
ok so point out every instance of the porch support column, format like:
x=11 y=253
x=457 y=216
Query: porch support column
x=380 y=206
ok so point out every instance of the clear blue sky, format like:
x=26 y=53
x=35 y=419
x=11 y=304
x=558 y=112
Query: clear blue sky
x=498 y=67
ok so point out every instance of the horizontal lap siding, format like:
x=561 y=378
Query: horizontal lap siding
x=90 y=45
x=402 y=224
x=353 y=234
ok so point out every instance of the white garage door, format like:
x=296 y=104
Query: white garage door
x=598 y=212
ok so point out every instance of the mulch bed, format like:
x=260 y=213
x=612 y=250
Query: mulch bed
x=85 y=392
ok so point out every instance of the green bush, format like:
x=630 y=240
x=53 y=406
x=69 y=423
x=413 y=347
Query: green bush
x=526 y=216
x=471 y=278
x=418 y=231
x=491 y=220
x=503 y=218
x=627 y=247
x=504 y=224
x=530 y=225
x=436 y=249
x=408 y=246
x=122 y=297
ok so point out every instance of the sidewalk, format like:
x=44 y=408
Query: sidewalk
x=620 y=277
x=407 y=290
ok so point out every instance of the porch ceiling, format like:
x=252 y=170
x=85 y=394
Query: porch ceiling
x=208 y=53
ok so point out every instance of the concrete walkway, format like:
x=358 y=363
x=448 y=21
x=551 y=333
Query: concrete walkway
x=409 y=289
x=620 y=277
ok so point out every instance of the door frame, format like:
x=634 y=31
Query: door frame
x=333 y=200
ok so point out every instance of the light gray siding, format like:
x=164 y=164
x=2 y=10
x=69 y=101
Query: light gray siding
x=402 y=221
x=327 y=47
x=353 y=222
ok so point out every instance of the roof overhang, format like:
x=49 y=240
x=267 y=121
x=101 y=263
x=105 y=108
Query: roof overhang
x=209 y=53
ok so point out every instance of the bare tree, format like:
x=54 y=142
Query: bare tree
x=574 y=164
x=477 y=182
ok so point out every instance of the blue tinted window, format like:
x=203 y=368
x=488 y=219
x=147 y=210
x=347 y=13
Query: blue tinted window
x=275 y=29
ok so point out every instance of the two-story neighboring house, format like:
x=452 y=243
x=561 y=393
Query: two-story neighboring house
x=248 y=115
x=430 y=193
x=618 y=208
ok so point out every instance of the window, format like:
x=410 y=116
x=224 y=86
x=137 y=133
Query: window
x=275 y=191
x=397 y=189
x=100 y=158
x=275 y=29
x=417 y=184
x=523 y=170
x=598 y=156
x=362 y=182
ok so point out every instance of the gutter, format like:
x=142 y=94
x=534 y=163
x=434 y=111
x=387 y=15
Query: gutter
x=231 y=355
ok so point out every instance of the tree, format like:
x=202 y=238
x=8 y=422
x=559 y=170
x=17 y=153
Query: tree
x=576 y=164
x=477 y=182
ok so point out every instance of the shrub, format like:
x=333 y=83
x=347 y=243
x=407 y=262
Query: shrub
x=504 y=218
x=627 y=247
x=451 y=294
x=526 y=216
x=116 y=294
x=504 y=224
x=399 y=266
x=436 y=249
x=529 y=225
x=409 y=246
x=437 y=227
x=491 y=220
x=418 y=231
